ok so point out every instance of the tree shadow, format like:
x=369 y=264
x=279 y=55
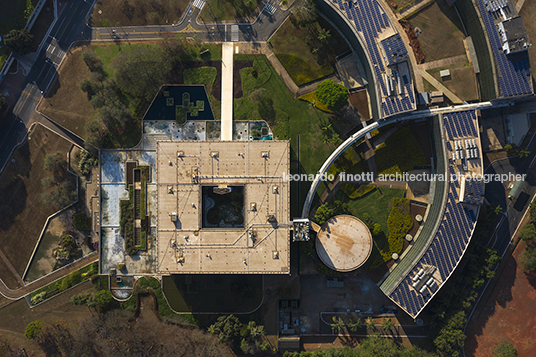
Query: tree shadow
x=14 y=194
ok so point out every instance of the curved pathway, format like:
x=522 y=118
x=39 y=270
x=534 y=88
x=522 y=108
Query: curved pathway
x=47 y=279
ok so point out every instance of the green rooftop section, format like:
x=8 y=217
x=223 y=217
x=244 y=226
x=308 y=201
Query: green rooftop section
x=435 y=212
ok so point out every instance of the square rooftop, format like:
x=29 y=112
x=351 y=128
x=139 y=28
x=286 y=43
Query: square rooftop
x=261 y=246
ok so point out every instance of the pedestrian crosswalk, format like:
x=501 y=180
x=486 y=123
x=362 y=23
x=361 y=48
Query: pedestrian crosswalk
x=199 y=3
x=234 y=33
x=269 y=8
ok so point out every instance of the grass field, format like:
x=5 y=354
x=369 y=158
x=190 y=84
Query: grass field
x=22 y=212
x=527 y=12
x=462 y=80
x=294 y=46
x=442 y=34
x=399 y=153
x=377 y=204
x=137 y=12
x=219 y=10
x=428 y=87
x=65 y=102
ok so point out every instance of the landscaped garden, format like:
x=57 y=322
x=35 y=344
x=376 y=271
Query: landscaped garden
x=134 y=209
x=65 y=283
x=399 y=153
x=307 y=50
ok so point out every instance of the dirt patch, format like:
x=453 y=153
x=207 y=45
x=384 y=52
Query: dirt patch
x=462 y=80
x=527 y=12
x=359 y=100
x=509 y=313
x=442 y=33
x=237 y=79
x=23 y=214
x=138 y=12
x=65 y=103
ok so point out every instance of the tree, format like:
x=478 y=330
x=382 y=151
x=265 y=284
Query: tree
x=141 y=71
x=55 y=163
x=370 y=324
x=337 y=324
x=451 y=337
x=528 y=233
x=3 y=104
x=304 y=12
x=524 y=153
x=326 y=211
x=93 y=62
x=511 y=149
x=88 y=87
x=387 y=324
x=227 y=328
x=377 y=230
x=529 y=259
x=324 y=35
x=19 y=41
x=33 y=329
x=504 y=349
x=333 y=95
x=103 y=301
x=498 y=209
x=354 y=325
x=87 y=162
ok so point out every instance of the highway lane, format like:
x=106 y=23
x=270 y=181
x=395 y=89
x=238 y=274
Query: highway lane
x=67 y=29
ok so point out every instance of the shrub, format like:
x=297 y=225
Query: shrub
x=39 y=298
x=33 y=329
x=87 y=162
x=333 y=95
x=82 y=222
x=399 y=223
x=121 y=266
x=326 y=211
x=355 y=191
x=528 y=233
x=312 y=98
x=504 y=349
x=529 y=259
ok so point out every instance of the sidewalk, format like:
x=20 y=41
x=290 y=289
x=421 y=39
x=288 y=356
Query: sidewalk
x=227 y=91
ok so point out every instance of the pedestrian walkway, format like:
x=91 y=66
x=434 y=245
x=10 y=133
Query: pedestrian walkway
x=227 y=91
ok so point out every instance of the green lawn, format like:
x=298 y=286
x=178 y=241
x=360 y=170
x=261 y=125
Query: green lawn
x=399 y=154
x=288 y=117
x=295 y=47
x=377 y=204
x=202 y=75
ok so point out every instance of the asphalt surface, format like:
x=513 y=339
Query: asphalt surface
x=264 y=25
x=67 y=29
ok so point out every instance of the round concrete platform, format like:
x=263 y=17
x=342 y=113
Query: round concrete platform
x=344 y=243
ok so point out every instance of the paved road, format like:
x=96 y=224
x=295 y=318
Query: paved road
x=259 y=30
x=38 y=284
x=67 y=29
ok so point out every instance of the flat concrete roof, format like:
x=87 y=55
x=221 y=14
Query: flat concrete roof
x=261 y=246
x=344 y=243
